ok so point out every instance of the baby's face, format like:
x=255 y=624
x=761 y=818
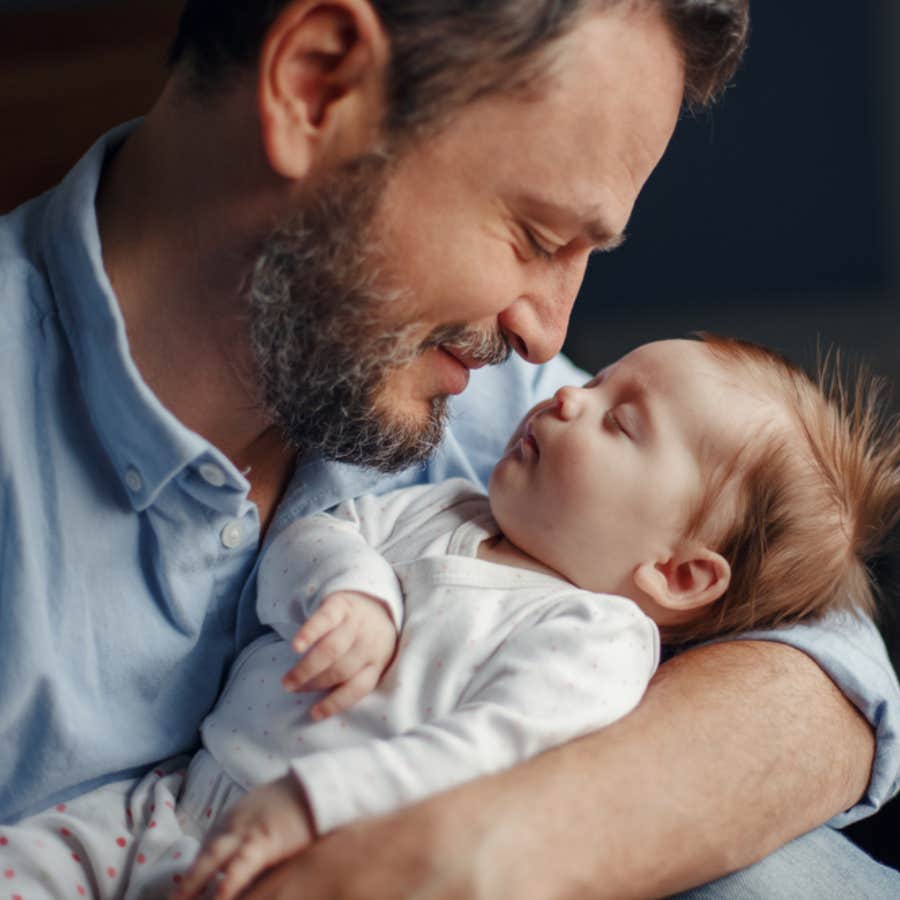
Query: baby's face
x=602 y=478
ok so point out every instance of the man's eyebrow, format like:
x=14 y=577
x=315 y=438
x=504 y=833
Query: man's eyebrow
x=594 y=227
x=603 y=239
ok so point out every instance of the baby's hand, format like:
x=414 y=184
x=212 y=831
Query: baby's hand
x=266 y=826
x=348 y=642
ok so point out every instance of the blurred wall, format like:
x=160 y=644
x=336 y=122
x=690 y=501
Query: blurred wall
x=68 y=72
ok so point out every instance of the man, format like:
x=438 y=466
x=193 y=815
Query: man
x=335 y=212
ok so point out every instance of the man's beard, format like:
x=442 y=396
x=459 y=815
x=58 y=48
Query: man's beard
x=324 y=340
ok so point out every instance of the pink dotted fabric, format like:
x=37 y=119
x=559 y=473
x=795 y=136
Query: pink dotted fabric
x=97 y=845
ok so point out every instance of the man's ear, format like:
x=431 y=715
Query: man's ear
x=695 y=577
x=322 y=72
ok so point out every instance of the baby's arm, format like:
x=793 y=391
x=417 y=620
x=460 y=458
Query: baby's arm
x=316 y=557
x=351 y=639
x=583 y=665
x=325 y=588
x=348 y=639
x=346 y=645
x=327 y=571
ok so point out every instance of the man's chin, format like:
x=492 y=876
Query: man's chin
x=409 y=435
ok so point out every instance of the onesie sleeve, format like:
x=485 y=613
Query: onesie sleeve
x=850 y=650
x=341 y=550
x=317 y=556
x=581 y=666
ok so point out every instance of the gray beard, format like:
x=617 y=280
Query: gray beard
x=322 y=338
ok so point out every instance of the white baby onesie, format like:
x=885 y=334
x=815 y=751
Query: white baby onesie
x=494 y=664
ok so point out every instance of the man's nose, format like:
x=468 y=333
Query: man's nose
x=536 y=322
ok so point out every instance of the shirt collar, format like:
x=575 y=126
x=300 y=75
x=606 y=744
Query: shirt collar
x=146 y=444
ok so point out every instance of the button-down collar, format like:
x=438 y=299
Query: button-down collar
x=147 y=445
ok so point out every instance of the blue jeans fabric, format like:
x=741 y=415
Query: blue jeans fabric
x=821 y=865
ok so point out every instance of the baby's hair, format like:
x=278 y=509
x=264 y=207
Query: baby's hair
x=810 y=502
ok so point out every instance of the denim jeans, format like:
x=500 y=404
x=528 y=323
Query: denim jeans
x=821 y=865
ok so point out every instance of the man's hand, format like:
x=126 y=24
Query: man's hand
x=264 y=827
x=348 y=642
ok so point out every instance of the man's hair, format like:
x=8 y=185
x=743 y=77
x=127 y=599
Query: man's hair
x=446 y=53
x=810 y=501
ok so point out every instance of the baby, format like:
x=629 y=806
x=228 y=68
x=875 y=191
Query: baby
x=693 y=488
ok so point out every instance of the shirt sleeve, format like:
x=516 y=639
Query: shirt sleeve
x=581 y=667
x=850 y=650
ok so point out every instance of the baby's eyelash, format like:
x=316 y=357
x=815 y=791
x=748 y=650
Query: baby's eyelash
x=612 y=419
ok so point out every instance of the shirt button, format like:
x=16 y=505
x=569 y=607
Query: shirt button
x=134 y=481
x=232 y=535
x=212 y=475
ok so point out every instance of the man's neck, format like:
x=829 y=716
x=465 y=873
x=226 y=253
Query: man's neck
x=178 y=220
x=181 y=208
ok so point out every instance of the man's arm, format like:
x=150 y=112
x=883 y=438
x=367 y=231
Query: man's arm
x=736 y=749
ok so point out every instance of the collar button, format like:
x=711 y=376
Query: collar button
x=232 y=535
x=212 y=475
x=134 y=481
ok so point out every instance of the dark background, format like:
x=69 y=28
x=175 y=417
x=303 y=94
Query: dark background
x=775 y=217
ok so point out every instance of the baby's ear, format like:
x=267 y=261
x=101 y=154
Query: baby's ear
x=695 y=577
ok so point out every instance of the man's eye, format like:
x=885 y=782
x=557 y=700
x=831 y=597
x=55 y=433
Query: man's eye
x=537 y=247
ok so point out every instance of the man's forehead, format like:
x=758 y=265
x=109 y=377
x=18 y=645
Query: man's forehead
x=592 y=135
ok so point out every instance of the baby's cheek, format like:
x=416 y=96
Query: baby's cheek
x=577 y=463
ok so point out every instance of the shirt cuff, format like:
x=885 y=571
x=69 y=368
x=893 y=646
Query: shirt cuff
x=850 y=650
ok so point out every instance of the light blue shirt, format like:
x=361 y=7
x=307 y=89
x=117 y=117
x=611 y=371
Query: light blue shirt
x=128 y=545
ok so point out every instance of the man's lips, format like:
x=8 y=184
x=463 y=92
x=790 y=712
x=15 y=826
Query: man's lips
x=464 y=359
x=454 y=372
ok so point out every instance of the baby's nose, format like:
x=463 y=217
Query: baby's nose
x=566 y=399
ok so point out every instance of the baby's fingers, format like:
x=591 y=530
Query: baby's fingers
x=327 y=617
x=213 y=857
x=323 y=657
x=242 y=868
x=348 y=694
